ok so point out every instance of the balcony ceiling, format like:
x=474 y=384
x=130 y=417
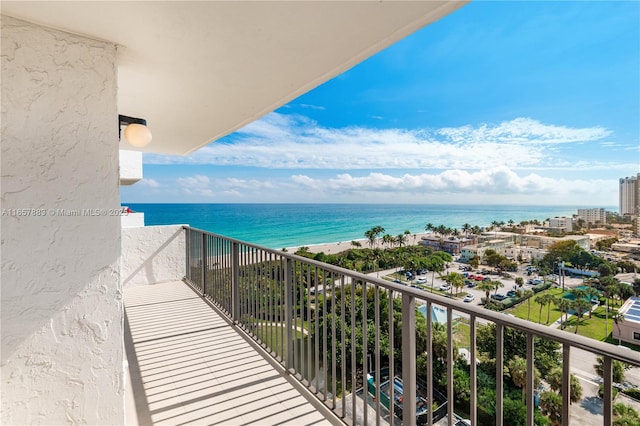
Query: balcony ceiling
x=198 y=70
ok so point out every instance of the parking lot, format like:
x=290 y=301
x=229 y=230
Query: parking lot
x=530 y=280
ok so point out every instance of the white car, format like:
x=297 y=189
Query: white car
x=445 y=287
x=469 y=298
x=421 y=280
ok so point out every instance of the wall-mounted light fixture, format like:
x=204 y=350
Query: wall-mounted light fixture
x=136 y=133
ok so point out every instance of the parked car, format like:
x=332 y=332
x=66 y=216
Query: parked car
x=397 y=281
x=479 y=278
x=421 y=280
x=470 y=283
x=511 y=293
x=445 y=287
x=469 y=298
x=498 y=296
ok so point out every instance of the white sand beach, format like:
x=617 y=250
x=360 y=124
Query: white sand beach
x=337 y=247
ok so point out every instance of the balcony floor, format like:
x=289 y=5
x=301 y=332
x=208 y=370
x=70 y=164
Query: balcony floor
x=188 y=365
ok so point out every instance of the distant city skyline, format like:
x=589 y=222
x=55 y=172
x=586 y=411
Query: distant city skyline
x=497 y=103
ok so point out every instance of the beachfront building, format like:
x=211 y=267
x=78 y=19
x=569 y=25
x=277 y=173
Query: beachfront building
x=628 y=330
x=451 y=245
x=515 y=246
x=83 y=297
x=627 y=247
x=543 y=242
x=593 y=216
x=478 y=250
x=523 y=253
x=561 y=224
x=494 y=236
x=630 y=195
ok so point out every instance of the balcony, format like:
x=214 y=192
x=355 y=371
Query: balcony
x=262 y=336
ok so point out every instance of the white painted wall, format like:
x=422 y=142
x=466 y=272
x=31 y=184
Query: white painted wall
x=133 y=220
x=153 y=254
x=130 y=167
x=61 y=305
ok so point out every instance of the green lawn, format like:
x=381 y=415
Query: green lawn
x=521 y=310
x=462 y=333
x=593 y=327
x=272 y=336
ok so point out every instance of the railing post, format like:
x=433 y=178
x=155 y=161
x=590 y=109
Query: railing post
x=499 y=374
x=408 y=360
x=530 y=379
x=608 y=390
x=473 y=401
x=288 y=308
x=187 y=253
x=566 y=384
x=204 y=263
x=450 y=389
x=235 y=278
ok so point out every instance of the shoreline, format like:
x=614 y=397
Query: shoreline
x=339 y=246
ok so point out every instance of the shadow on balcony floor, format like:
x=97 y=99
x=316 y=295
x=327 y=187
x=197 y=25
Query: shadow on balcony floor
x=187 y=365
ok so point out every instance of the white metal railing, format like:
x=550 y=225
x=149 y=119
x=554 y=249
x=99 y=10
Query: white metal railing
x=304 y=313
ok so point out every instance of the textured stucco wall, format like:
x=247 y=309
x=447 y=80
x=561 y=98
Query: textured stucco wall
x=130 y=167
x=153 y=254
x=61 y=305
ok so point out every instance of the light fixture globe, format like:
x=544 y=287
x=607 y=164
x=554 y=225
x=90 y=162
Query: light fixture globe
x=137 y=135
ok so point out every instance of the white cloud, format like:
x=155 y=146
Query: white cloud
x=151 y=183
x=196 y=181
x=317 y=107
x=496 y=181
x=281 y=141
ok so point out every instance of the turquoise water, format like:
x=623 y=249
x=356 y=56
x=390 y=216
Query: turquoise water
x=288 y=225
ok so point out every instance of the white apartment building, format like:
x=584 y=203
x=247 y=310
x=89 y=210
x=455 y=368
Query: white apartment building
x=630 y=195
x=562 y=224
x=593 y=215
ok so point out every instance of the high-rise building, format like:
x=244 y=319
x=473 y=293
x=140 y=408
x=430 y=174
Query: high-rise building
x=630 y=195
x=593 y=215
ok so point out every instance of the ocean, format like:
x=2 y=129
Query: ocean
x=290 y=225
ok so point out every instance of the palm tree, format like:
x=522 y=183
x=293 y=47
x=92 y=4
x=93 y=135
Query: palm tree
x=517 y=367
x=554 y=378
x=377 y=231
x=618 y=318
x=591 y=293
x=387 y=240
x=564 y=305
x=617 y=369
x=580 y=306
x=356 y=243
x=541 y=300
x=371 y=237
x=528 y=294
x=454 y=279
x=401 y=239
x=486 y=286
x=495 y=225
x=496 y=285
x=551 y=406
x=429 y=227
x=466 y=228
x=551 y=299
x=519 y=282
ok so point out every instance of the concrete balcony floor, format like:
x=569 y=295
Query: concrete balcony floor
x=188 y=365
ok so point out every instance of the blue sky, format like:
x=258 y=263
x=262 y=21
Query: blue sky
x=497 y=103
